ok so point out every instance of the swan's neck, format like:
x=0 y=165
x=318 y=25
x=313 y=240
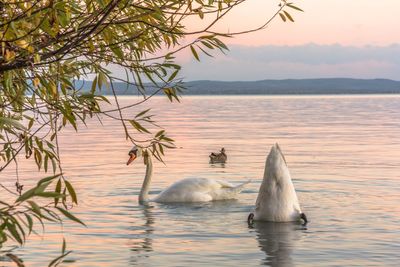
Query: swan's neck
x=144 y=192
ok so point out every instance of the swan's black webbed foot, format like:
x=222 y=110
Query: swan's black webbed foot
x=304 y=218
x=250 y=219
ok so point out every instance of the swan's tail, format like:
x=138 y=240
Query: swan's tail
x=242 y=185
x=228 y=191
x=237 y=189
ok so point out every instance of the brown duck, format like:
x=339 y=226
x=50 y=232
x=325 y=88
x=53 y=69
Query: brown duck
x=218 y=157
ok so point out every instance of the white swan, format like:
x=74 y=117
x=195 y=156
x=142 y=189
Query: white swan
x=186 y=190
x=277 y=200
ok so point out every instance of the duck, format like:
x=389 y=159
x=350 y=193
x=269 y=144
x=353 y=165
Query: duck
x=184 y=191
x=220 y=157
x=277 y=199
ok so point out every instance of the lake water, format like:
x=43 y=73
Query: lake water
x=343 y=153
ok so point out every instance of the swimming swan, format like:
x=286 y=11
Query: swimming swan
x=277 y=200
x=186 y=190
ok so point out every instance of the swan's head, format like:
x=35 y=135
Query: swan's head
x=222 y=150
x=133 y=154
x=137 y=152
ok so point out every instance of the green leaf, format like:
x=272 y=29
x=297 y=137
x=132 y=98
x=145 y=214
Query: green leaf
x=53 y=136
x=173 y=75
x=288 y=16
x=102 y=80
x=161 y=148
x=294 y=7
x=72 y=120
x=103 y=98
x=70 y=216
x=49 y=178
x=56 y=261
x=117 y=51
x=138 y=126
x=94 y=83
x=168 y=139
x=14 y=233
x=38 y=157
x=71 y=191
x=21 y=229
x=142 y=113
x=58 y=190
x=160 y=133
x=39 y=143
x=11 y=123
x=46 y=162
x=28 y=194
x=30 y=222
x=54 y=216
x=221 y=45
x=196 y=56
x=201 y=14
x=35 y=207
x=167 y=92
x=205 y=52
x=49 y=195
x=40 y=188
x=30 y=124
x=282 y=17
x=54 y=163
x=63 y=246
x=209 y=46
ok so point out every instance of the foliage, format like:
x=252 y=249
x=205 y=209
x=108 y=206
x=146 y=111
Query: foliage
x=46 y=46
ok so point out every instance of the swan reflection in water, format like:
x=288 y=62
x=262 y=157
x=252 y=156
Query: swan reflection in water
x=151 y=218
x=142 y=241
x=277 y=241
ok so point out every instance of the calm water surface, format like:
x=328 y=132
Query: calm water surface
x=344 y=157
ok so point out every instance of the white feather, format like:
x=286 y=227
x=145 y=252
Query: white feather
x=190 y=189
x=277 y=200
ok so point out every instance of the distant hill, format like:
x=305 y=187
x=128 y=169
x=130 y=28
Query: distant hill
x=279 y=87
x=290 y=86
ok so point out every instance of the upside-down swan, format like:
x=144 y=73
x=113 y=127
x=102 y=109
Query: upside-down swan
x=186 y=190
x=220 y=157
x=277 y=200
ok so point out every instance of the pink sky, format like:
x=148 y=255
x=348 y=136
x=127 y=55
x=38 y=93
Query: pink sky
x=331 y=38
x=347 y=22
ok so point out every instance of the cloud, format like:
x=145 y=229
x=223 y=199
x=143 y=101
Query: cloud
x=305 y=61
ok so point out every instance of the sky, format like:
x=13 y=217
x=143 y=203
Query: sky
x=331 y=38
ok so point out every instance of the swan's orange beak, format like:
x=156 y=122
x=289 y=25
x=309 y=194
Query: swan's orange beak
x=132 y=157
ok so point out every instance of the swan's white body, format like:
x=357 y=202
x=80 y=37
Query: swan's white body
x=277 y=200
x=199 y=190
x=190 y=189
